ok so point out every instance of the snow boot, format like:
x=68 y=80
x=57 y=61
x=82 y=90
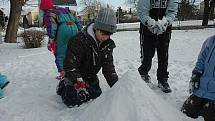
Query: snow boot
x=144 y=76
x=3 y=81
x=1 y=93
x=164 y=86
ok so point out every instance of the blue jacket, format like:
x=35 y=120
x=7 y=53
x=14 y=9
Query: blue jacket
x=167 y=8
x=206 y=65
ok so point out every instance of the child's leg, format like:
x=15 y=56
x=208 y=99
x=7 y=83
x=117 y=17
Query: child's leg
x=209 y=111
x=3 y=81
x=192 y=106
x=1 y=93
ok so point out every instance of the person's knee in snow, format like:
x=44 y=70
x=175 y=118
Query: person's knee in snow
x=201 y=85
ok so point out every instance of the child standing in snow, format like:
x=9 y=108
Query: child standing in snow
x=61 y=25
x=87 y=53
x=155 y=33
x=202 y=84
x=3 y=83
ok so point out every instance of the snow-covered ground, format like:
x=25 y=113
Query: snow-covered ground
x=31 y=94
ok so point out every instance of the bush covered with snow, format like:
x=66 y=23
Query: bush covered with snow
x=33 y=38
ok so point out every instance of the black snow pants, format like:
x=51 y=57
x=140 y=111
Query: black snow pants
x=150 y=43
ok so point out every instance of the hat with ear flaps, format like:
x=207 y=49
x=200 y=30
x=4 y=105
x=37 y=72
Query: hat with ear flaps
x=46 y=4
x=106 y=20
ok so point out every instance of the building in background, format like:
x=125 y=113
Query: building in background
x=3 y=18
x=88 y=14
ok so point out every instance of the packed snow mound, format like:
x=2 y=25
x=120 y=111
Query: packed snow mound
x=128 y=101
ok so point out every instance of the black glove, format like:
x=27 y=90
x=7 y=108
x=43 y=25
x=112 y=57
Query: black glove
x=194 y=81
x=112 y=79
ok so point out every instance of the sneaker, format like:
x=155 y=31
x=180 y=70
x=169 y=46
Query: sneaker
x=146 y=78
x=164 y=86
x=144 y=75
x=1 y=93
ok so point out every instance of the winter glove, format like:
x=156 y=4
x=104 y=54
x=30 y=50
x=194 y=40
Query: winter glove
x=151 y=23
x=158 y=29
x=154 y=26
x=111 y=81
x=81 y=88
x=163 y=23
x=194 y=81
x=52 y=46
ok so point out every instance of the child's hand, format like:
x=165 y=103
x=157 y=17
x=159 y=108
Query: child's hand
x=52 y=46
x=194 y=81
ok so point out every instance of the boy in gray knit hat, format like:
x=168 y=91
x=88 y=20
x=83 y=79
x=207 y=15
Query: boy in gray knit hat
x=87 y=53
x=106 y=20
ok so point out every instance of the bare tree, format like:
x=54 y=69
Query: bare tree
x=132 y=3
x=212 y=5
x=91 y=8
x=206 y=12
x=187 y=10
x=88 y=3
x=13 y=23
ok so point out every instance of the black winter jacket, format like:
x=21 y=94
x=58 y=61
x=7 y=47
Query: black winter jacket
x=85 y=57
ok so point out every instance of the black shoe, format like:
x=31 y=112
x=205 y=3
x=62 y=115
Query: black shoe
x=164 y=86
x=144 y=75
x=146 y=78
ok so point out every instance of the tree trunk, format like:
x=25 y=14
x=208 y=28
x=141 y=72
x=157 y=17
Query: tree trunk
x=13 y=23
x=206 y=13
x=212 y=5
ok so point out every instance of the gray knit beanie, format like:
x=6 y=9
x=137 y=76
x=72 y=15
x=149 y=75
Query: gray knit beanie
x=106 y=20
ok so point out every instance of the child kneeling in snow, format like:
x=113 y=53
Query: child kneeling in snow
x=3 y=83
x=202 y=84
x=88 y=52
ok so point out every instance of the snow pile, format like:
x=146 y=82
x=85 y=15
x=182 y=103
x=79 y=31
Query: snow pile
x=130 y=100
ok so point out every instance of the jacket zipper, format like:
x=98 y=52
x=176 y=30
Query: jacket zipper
x=96 y=54
x=94 y=59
